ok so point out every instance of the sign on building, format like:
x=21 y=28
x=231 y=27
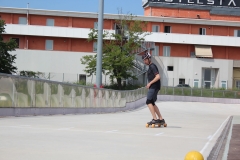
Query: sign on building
x=224 y=3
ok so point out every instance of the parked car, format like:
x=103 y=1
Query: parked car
x=182 y=85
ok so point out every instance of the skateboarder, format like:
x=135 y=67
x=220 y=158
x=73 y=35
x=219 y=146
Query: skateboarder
x=153 y=86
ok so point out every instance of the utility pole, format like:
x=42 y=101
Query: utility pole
x=100 y=44
x=27 y=12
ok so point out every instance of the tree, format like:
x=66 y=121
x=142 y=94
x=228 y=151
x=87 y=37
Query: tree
x=90 y=62
x=6 y=59
x=118 y=48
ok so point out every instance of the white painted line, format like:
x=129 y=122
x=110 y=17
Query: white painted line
x=111 y=131
x=209 y=137
x=20 y=126
x=159 y=134
x=65 y=129
x=206 y=145
x=184 y=137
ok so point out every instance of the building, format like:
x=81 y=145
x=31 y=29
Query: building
x=195 y=42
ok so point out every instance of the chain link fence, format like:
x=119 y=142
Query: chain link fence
x=199 y=92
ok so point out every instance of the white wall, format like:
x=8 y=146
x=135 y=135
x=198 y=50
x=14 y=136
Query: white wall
x=59 y=62
x=191 y=68
x=56 y=62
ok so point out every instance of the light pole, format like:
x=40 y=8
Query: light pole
x=99 y=44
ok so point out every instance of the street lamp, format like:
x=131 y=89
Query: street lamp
x=99 y=44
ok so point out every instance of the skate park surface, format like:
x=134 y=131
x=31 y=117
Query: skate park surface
x=118 y=136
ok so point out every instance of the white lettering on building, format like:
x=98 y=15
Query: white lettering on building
x=189 y=1
x=203 y=2
x=210 y=2
x=198 y=2
x=232 y=1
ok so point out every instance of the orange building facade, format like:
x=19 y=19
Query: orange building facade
x=177 y=31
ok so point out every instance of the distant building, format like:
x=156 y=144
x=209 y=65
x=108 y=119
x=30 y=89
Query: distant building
x=195 y=42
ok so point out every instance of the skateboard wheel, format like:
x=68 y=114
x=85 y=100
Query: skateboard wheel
x=147 y=125
x=153 y=125
x=165 y=125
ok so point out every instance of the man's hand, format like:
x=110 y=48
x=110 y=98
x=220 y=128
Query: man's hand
x=148 y=85
x=157 y=77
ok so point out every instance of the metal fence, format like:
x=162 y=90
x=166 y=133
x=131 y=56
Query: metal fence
x=200 y=92
x=16 y=91
x=201 y=83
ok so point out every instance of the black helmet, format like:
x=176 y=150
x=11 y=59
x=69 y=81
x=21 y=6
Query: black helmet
x=146 y=55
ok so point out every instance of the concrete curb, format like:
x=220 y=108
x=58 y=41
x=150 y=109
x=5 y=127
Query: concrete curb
x=197 y=99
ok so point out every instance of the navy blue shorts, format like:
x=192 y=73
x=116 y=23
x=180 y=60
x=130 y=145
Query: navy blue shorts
x=152 y=94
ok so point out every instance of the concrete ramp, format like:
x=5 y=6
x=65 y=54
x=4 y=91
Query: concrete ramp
x=191 y=126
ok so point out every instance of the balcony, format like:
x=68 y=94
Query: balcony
x=194 y=39
x=49 y=31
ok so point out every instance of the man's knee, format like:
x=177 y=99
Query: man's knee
x=150 y=102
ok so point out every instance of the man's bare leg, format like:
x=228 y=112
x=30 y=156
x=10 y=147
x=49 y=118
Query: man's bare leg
x=157 y=112
x=152 y=110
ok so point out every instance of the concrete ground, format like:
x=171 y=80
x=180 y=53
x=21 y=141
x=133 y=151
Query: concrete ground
x=191 y=126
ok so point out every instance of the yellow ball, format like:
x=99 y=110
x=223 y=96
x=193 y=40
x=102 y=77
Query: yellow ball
x=194 y=155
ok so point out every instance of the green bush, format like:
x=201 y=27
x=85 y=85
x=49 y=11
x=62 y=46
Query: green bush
x=230 y=94
x=169 y=91
x=196 y=92
x=216 y=93
x=186 y=92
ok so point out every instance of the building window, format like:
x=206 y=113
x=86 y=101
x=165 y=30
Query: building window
x=166 y=51
x=195 y=83
x=50 y=22
x=156 y=51
x=49 y=44
x=117 y=28
x=170 y=68
x=238 y=84
x=17 y=41
x=94 y=46
x=22 y=20
x=167 y=29
x=83 y=78
x=155 y=28
x=95 y=25
x=181 y=81
x=236 y=33
x=202 y=31
x=192 y=54
x=224 y=84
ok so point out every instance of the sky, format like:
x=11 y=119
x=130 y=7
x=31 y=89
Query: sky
x=110 y=6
